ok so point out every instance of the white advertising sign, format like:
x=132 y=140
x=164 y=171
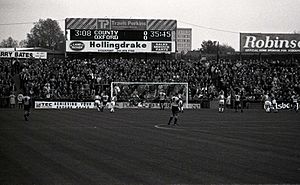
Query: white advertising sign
x=22 y=54
x=63 y=105
x=121 y=46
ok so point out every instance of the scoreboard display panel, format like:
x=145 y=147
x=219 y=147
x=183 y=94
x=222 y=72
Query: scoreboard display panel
x=129 y=35
x=120 y=35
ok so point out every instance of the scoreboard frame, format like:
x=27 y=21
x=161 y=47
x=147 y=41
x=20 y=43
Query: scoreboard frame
x=120 y=35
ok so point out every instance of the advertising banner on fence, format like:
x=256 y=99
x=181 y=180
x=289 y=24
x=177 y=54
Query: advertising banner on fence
x=22 y=54
x=285 y=105
x=63 y=105
x=270 y=42
x=91 y=105
x=121 y=46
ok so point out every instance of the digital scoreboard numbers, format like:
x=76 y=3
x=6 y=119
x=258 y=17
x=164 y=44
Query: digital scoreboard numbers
x=120 y=35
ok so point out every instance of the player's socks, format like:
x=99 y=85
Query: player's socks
x=26 y=119
x=170 y=120
x=175 y=121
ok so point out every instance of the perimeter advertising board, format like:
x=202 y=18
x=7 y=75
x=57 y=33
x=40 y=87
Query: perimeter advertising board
x=22 y=54
x=91 y=105
x=269 y=42
x=120 y=35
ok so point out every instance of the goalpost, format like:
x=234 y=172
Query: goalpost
x=149 y=90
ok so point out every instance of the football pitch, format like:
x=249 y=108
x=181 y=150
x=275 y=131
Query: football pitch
x=134 y=146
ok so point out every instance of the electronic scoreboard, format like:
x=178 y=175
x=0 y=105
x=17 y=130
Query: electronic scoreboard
x=142 y=36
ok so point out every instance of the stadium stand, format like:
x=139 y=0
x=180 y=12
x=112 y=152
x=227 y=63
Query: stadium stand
x=81 y=79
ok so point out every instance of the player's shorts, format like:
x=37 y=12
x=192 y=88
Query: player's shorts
x=237 y=102
x=161 y=101
x=113 y=103
x=175 y=110
x=221 y=102
x=26 y=107
x=104 y=103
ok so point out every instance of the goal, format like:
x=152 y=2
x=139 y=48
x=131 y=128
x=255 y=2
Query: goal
x=148 y=92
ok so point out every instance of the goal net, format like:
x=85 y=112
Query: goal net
x=146 y=94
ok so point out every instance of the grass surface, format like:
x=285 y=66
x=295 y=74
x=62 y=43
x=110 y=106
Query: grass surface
x=136 y=147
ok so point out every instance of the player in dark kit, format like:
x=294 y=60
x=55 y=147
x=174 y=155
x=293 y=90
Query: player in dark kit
x=175 y=109
x=26 y=100
x=162 y=98
x=238 y=101
x=104 y=99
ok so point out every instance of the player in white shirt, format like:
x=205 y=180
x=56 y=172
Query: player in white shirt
x=237 y=104
x=175 y=109
x=274 y=103
x=295 y=101
x=113 y=104
x=98 y=102
x=228 y=101
x=20 y=100
x=221 y=101
x=180 y=103
x=267 y=102
x=27 y=104
x=12 y=100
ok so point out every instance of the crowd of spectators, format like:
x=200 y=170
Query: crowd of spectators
x=81 y=79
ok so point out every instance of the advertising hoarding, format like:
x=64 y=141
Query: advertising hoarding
x=121 y=46
x=23 y=54
x=269 y=42
x=120 y=24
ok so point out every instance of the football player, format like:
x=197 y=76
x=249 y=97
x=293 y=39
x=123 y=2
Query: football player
x=162 y=99
x=180 y=103
x=27 y=104
x=221 y=101
x=175 y=109
x=113 y=104
x=267 y=102
x=104 y=99
x=98 y=102
x=295 y=102
x=238 y=104
x=274 y=103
